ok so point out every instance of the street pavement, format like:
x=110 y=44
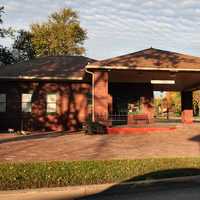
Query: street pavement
x=166 y=191
x=173 y=192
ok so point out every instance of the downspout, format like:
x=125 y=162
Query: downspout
x=89 y=72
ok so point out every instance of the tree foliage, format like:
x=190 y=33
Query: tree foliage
x=1 y=21
x=3 y=31
x=6 y=56
x=60 y=35
x=24 y=46
x=170 y=101
x=174 y=100
x=196 y=102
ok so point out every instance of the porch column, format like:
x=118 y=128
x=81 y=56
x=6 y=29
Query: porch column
x=101 y=97
x=187 y=107
x=147 y=105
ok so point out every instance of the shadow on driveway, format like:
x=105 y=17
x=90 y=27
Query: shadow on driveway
x=36 y=136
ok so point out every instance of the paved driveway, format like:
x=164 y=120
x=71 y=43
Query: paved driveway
x=184 y=141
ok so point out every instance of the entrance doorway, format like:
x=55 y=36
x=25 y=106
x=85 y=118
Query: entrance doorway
x=129 y=99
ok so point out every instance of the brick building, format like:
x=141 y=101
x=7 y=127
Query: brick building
x=58 y=93
x=49 y=93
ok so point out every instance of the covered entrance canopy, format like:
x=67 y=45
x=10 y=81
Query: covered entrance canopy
x=162 y=80
x=145 y=71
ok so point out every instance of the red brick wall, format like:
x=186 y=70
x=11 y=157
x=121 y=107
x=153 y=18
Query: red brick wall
x=72 y=106
x=101 y=96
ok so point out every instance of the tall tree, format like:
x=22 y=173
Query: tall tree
x=60 y=35
x=6 y=56
x=4 y=32
x=1 y=21
x=24 y=46
x=196 y=102
x=174 y=101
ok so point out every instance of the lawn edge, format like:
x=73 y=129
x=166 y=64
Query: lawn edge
x=84 y=190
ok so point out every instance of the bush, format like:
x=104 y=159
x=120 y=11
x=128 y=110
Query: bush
x=58 y=174
x=95 y=128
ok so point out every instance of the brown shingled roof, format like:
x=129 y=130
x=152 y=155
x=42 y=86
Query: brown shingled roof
x=150 y=59
x=51 y=67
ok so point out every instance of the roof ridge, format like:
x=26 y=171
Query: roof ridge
x=131 y=53
x=143 y=50
x=150 y=58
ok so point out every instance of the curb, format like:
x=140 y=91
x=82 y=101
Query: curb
x=85 y=190
x=54 y=193
x=181 y=179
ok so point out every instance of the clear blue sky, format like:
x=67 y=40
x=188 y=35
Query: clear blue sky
x=117 y=27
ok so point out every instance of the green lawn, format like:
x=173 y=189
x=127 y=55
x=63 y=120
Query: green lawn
x=58 y=174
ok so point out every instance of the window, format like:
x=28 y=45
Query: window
x=2 y=102
x=51 y=103
x=26 y=102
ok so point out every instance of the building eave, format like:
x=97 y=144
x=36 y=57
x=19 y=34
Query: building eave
x=40 y=78
x=142 y=68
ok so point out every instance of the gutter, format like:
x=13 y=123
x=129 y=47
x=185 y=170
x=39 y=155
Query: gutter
x=92 y=73
x=141 y=68
x=39 y=78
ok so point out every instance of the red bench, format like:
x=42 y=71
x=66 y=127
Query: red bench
x=135 y=118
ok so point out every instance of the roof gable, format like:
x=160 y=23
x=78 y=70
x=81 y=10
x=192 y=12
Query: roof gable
x=150 y=58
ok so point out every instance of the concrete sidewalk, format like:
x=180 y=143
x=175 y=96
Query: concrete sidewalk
x=54 y=193
x=74 y=192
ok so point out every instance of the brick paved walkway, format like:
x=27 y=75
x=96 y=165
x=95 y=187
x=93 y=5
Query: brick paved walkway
x=184 y=141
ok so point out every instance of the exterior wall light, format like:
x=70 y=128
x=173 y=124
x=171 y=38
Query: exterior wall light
x=163 y=82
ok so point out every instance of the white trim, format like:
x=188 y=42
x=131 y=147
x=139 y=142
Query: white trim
x=26 y=102
x=142 y=68
x=40 y=78
x=50 y=102
x=93 y=119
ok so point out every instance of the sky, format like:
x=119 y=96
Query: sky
x=117 y=27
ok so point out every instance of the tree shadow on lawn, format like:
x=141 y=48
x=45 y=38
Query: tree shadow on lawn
x=135 y=189
x=36 y=136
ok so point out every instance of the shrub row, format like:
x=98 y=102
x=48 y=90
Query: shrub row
x=58 y=174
